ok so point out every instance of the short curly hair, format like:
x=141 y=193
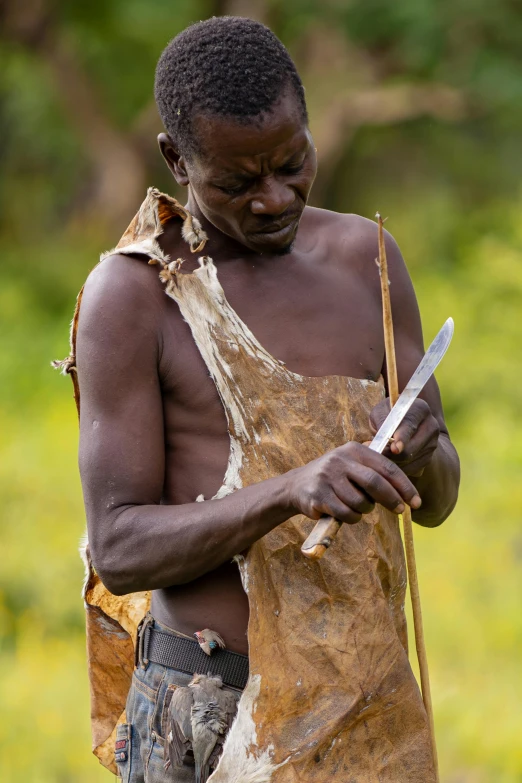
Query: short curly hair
x=227 y=65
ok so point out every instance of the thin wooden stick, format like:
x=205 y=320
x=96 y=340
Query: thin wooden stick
x=387 y=320
x=393 y=390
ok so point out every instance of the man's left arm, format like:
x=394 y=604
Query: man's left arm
x=422 y=446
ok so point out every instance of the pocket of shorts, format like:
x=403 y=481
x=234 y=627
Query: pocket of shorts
x=122 y=751
x=165 y=710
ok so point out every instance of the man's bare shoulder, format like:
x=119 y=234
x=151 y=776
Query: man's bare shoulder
x=128 y=280
x=348 y=236
x=347 y=221
x=121 y=304
x=342 y=228
x=354 y=236
x=123 y=287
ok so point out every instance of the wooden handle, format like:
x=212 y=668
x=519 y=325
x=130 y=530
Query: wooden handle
x=320 y=538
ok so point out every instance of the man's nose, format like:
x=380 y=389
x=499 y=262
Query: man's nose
x=273 y=198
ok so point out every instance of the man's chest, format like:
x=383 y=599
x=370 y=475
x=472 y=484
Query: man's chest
x=320 y=321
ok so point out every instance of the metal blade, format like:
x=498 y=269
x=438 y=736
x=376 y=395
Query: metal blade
x=417 y=382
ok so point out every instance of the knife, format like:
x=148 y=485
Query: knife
x=326 y=528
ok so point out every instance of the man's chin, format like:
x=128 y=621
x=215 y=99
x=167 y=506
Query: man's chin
x=278 y=243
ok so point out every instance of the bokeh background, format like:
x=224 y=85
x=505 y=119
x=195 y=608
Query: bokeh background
x=416 y=108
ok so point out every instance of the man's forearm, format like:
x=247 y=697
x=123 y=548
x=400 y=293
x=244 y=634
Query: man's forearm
x=148 y=547
x=151 y=547
x=438 y=486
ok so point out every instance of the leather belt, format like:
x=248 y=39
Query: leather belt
x=185 y=655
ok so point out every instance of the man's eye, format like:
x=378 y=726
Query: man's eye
x=235 y=190
x=292 y=169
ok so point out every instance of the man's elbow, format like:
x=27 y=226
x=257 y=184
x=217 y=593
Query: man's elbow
x=115 y=584
x=112 y=577
x=107 y=563
x=434 y=517
x=441 y=497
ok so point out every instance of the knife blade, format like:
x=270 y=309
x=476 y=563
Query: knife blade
x=326 y=528
x=415 y=385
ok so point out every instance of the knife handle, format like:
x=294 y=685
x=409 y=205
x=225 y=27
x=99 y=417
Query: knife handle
x=320 y=538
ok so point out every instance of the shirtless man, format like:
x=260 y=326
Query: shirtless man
x=153 y=429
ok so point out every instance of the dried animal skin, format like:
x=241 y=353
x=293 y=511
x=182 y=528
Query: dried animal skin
x=331 y=695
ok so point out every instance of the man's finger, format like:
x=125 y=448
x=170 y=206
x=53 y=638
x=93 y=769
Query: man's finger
x=392 y=473
x=355 y=456
x=426 y=437
x=332 y=506
x=379 y=414
x=385 y=483
x=409 y=426
x=422 y=444
x=354 y=497
x=415 y=468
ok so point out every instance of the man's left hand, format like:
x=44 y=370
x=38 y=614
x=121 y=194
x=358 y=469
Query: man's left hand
x=416 y=438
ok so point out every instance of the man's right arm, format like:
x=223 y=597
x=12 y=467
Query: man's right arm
x=136 y=543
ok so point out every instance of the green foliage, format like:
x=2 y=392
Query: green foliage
x=453 y=198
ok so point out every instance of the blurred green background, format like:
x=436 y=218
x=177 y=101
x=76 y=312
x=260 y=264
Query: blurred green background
x=416 y=108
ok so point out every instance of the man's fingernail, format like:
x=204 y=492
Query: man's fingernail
x=399 y=509
x=399 y=445
x=416 y=502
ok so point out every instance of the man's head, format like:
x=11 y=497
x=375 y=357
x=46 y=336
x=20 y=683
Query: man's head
x=233 y=106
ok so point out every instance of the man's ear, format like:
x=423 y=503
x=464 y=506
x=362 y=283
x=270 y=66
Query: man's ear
x=173 y=159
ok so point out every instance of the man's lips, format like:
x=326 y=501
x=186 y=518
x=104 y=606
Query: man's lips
x=274 y=228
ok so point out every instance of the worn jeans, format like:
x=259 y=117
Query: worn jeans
x=140 y=742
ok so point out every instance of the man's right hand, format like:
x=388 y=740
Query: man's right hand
x=347 y=482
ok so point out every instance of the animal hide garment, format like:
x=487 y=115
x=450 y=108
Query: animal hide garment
x=331 y=695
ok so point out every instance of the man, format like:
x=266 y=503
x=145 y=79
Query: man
x=174 y=395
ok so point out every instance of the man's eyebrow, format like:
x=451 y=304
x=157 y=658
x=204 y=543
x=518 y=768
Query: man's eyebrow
x=243 y=176
x=233 y=176
x=296 y=157
x=236 y=174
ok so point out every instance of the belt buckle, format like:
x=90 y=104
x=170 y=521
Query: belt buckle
x=142 y=642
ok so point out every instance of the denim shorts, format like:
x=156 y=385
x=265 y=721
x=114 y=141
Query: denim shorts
x=140 y=742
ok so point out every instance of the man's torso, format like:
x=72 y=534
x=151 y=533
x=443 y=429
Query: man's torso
x=318 y=310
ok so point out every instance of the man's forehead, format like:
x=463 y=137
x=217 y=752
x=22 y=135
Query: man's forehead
x=229 y=144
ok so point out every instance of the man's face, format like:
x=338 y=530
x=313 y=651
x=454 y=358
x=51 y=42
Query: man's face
x=251 y=181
